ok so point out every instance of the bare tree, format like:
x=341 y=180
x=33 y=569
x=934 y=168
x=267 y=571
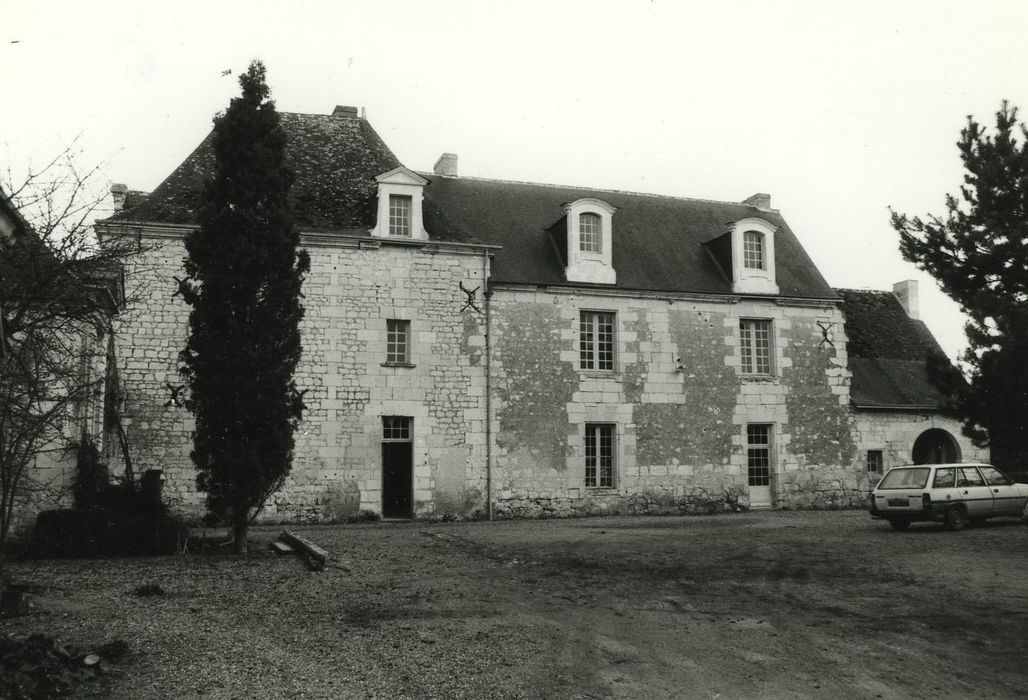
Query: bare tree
x=58 y=291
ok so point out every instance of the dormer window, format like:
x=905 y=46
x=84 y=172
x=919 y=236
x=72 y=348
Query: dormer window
x=399 y=215
x=589 y=239
x=753 y=256
x=590 y=233
x=400 y=192
x=753 y=250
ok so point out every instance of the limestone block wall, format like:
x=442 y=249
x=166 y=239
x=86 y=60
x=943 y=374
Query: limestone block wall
x=894 y=433
x=350 y=293
x=678 y=399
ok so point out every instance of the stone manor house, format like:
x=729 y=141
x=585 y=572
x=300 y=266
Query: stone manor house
x=476 y=346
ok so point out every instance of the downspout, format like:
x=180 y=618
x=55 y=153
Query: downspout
x=488 y=295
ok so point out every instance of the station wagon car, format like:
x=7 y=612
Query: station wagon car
x=953 y=494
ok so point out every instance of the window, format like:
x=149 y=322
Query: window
x=944 y=478
x=753 y=250
x=399 y=215
x=969 y=476
x=599 y=455
x=596 y=346
x=758 y=454
x=874 y=461
x=994 y=477
x=396 y=428
x=590 y=233
x=755 y=344
x=397 y=342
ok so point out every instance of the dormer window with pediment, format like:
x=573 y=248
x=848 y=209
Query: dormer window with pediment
x=400 y=194
x=590 y=231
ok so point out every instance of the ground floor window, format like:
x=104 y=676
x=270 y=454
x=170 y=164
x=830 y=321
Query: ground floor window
x=874 y=461
x=758 y=454
x=599 y=455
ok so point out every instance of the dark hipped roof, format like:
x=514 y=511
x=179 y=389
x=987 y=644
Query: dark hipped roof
x=888 y=352
x=660 y=243
x=335 y=160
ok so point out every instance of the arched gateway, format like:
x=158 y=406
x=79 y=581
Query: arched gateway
x=935 y=446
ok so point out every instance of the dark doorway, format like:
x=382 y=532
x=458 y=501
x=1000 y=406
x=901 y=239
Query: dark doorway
x=935 y=446
x=397 y=467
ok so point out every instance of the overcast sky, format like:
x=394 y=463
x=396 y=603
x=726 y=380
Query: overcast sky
x=837 y=109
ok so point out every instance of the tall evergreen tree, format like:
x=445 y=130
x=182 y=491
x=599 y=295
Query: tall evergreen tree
x=243 y=279
x=978 y=252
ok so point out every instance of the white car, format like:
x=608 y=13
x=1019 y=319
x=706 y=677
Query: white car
x=951 y=493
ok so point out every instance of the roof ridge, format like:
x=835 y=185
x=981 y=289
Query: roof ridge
x=588 y=189
x=862 y=290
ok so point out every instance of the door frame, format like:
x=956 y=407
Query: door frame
x=398 y=430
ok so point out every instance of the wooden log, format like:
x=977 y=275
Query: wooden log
x=317 y=556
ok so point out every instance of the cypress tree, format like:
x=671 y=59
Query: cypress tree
x=978 y=252
x=243 y=278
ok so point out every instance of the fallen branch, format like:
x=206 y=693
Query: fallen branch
x=316 y=556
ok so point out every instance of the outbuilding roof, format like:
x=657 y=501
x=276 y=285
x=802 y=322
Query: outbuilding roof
x=888 y=353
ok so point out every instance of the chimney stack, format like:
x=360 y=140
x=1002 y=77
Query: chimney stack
x=343 y=112
x=906 y=292
x=118 y=194
x=760 y=200
x=446 y=165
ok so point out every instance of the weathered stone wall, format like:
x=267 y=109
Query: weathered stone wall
x=678 y=399
x=894 y=433
x=350 y=292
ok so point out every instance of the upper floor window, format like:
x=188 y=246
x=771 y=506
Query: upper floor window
x=753 y=250
x=399 y=215
x=755 y=346
x=397 y=342
x=590 y=233
x=596 y=340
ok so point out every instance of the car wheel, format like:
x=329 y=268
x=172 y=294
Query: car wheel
x=899 y=524
x=955 y=518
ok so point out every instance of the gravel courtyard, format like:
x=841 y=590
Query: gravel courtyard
x=768 y=604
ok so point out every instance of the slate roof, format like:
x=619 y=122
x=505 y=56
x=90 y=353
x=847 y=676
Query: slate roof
x=660 y=243
x=335 y=160
x=888 y=353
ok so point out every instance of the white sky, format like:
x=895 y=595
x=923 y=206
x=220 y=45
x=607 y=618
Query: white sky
x=838 y=109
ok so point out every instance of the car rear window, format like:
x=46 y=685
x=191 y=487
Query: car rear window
x=969 y=476
x=905 y=479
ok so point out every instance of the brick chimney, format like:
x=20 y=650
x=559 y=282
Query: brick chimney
x=760 y=200
x=342 y=112
x=118 y=194
x=906 y=292
x=446 y=165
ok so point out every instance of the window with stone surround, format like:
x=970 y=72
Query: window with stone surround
x=596 y=340
x=399 y=215
x=755 y=343
x=599 y=455
x=875 y=461
x=397 y=342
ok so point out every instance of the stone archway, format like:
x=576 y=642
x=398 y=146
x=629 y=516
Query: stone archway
x=935 y=446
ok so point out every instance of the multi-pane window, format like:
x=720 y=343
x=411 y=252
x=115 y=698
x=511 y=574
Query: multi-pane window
x=599 y=455
x=397 y=342
x=396 y=428
x=596 y=340
x=399 y=215
x=874 y=461
x=755 y=345
x=753 y=250
x=590 y=233
x=758 y=454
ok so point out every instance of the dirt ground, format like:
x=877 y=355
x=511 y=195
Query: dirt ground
x=754 y=605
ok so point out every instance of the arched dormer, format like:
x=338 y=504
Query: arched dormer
x=400 y=193
x=753 y=257
x=590 y=228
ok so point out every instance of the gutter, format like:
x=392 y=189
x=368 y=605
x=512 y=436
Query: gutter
x=488 y=295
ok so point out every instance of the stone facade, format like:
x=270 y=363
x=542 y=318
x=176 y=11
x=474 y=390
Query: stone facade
x=895 y=432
